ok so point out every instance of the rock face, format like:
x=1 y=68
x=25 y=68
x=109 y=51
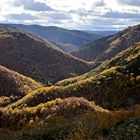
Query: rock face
x=107 y=47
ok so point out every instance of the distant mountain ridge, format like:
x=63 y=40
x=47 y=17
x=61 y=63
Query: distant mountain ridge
x=37 y=59
x=61 y=36
x=107 y=47
x=103 y=33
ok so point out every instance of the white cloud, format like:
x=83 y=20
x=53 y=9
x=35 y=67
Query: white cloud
x=78 y=14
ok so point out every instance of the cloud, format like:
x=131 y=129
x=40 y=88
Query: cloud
x=84 y=13
x=60 y=16
x=130 y=2
x=21 y=16
x=107 y=24
x=100 y=3
x=32 y=5
x=75 y=14
x=121 y=15
x=56 y=15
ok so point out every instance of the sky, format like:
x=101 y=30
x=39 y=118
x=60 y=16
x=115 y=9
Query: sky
x=72 y=14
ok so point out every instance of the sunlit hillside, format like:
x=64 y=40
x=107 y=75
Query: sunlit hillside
x=70 y=70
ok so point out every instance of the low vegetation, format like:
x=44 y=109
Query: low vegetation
x=99 y=89
x=102 y=104
x=37 y=59
x=14 y=86
x=120 y=60
x=70 y=118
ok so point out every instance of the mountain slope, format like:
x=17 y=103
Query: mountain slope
x=120 y=60
x=67 y=115
x=126 y=130
x=73 y=38
x=110 y=89
x=102 y=104
x=70 y=118
x=13 y=85
x=103 y=33
x=114 y=87
x=107 y=47
x=36 y=59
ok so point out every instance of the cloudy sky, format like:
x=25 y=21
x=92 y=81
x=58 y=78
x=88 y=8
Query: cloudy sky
x=72 y=14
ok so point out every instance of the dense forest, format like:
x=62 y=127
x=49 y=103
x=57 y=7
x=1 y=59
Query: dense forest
x=49 y=94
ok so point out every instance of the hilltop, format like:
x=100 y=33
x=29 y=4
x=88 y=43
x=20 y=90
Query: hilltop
x=107 y=47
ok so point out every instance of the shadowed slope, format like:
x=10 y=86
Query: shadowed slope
x=38 y=60
x=13 y=85
x=110 y=89
x=65 y=39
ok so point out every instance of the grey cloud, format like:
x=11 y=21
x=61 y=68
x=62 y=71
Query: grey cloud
x=105 y=21
x=56 y=15
x=100 y=3
x=121 y=15
x=60 y=16
x=85 y=13
x=21 y=16
x=100 y=26
x=110 y=23
x=32 y=5
x=130 y=2
x=136 y=20
x=52 y=21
